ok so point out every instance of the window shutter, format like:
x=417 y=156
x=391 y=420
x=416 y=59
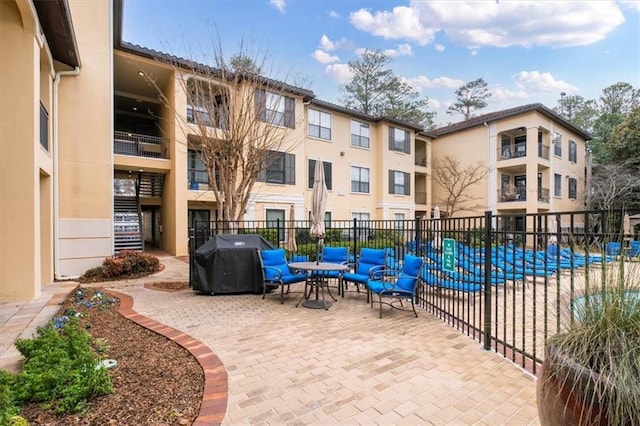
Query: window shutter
x=260 y=101
x=407 y=142
x=312 y=168
x=327 y=175
x=290 y=112
x=391 y=136
x=290 y=169
x=407 y=184
x=392 y=182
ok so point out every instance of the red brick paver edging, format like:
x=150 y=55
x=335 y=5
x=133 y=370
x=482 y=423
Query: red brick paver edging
x=215 y=394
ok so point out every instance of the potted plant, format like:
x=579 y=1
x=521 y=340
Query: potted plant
x=591 y=371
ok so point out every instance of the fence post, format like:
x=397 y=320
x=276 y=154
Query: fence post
x=355 y=237
x=487 y=279
x=417 y=236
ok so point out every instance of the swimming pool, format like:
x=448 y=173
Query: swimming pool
x=631 y=300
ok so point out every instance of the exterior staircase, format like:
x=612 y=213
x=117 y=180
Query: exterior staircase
x=126 y=224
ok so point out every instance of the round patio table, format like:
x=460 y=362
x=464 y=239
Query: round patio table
x=314 y=277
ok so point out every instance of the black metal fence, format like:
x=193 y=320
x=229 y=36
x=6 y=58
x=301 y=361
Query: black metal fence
x=508 y=281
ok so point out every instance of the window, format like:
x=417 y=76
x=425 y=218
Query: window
x=399 y=182
x=275 y=217
x=279 y=167
x=275 y=109
x=398 y=221
x=197 y=172
x=201 y=217
x=359 y=179
x=359 y=134
x=327 y=173
x=319 y=124
x=44 y=127
x=573 y=152
x=202 y=108
x=360 y=216
x=573 y=188
x=557 y=185
x=557 y=144
x=399 y=140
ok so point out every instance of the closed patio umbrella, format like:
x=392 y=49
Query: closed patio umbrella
x=553 y=230
x=292 y=245
x=626 y=224
x=319 y=197
x=435 y=227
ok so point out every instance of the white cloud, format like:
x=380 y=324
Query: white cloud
x=536 y=81
x=334 y=14
x=403 y=49
x=328 y=45
x=401 y=23
x=323 y=57
x=278 y=4
x=630 y=4
x=503 y=94
x=434 y=104
x=340 y=72
x=423 y=82
x=493 y=23
x=439 y=47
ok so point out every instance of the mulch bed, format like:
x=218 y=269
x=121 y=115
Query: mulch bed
x=168 y=286
x=156 y=381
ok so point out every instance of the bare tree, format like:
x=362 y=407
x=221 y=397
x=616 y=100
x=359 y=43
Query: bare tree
x=457 y=183
x=238 y=121
x=613 y=186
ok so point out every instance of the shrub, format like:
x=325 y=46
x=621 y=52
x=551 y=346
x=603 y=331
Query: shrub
x=126 y=264
x=8 y=407
x=60 y=368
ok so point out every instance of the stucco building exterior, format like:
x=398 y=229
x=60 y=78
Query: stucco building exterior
x=95 y=159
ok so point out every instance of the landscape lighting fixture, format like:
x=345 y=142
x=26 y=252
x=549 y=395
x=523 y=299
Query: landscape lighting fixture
x=141 y=73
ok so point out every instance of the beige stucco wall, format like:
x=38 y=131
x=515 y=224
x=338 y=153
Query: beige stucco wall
x=468 y=147
x=20 y=251
x=85 y=145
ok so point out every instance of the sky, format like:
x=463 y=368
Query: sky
x=526 y=51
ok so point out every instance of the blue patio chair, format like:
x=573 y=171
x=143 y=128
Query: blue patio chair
x=394 y=284
x=339 y=255
x=368 y=259
x=277 y=273
x=634 y=249
x=613 y=248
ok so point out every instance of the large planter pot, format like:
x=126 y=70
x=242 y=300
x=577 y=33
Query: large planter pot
x=569 y=393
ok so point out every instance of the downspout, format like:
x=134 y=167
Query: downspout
x=56 y=160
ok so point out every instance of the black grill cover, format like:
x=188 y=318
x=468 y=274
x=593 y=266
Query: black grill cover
x=229 y=264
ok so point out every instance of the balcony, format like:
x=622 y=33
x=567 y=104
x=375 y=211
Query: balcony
x=421 y=198
x=510 y=194
x=543 y=195
x=516 y=150
x=543 y=151
x=420 y=161
x=126 y=143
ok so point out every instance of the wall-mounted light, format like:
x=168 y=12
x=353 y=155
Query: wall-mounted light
x=341 y=153
x=141 y=73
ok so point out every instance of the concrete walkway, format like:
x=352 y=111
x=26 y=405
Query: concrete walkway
x=289 y=365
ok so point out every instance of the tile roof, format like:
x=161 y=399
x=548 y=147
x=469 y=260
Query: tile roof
x=506 y=113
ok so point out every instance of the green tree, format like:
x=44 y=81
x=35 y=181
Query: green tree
x=625 y=141
x=580 y=111
x=471 y=97
x=376 y=90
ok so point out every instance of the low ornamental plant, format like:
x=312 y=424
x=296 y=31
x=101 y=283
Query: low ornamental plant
x=591 y=372
x=60 y=368
x=126 y=264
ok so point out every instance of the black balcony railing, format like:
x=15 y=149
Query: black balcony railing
x=543 y=151
x=127 y=143
x=508 y=194
x=543 y=195
x=516 y=150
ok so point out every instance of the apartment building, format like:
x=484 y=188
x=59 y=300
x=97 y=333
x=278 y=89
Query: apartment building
x=535 y=160
x=369 y=162
x=99 y=153
x=55 y=142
